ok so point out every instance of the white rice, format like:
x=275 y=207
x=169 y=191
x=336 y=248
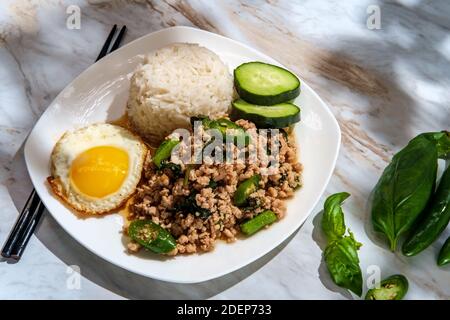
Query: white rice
x=175 y=83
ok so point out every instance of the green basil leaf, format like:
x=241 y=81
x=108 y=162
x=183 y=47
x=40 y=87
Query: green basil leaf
x=355 y=243
x=406 y=185
x=341 y=258
x=175 y=168
x=333 y=224
x=443 y=144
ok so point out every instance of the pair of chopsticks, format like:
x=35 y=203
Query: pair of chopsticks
x=33 y=209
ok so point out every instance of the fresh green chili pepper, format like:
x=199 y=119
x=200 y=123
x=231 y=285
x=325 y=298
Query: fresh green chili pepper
x=436 y=219
x=164 y=151
x=341 y=258
x=333 y=224
x=444 y=254
x=257 y=223
x=406 y=185
x=151 y=236
x=245 y=189
x=230 y=130
x=227 y=128
x=392 y=288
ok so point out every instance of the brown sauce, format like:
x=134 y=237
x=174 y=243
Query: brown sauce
x=124 y=122
x=125 y=212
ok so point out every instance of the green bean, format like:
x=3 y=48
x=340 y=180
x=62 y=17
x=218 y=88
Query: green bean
x=257 y=223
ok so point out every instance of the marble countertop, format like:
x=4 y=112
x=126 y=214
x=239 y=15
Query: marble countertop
x=383 y=85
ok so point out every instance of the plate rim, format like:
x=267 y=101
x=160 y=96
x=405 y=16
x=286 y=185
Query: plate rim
x=211 y=275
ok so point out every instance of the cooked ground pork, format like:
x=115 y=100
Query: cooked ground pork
x=163 y=194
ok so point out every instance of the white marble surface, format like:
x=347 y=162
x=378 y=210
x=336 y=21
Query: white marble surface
x=384 y=86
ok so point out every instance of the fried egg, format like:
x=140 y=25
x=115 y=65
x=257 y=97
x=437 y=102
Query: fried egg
x=95 y=169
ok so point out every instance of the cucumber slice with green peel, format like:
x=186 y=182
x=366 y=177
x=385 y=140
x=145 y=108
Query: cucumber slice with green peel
x=277 y=116
x=265 y=84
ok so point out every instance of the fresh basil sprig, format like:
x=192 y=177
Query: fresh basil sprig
x=341 y=256
x=333 y=224
x=406 y=184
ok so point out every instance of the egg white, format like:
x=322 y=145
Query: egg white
x=76 y=142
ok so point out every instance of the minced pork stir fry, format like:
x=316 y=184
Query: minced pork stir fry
x=196 y=204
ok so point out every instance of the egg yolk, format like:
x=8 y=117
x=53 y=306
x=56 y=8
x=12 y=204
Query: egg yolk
x=99 y=171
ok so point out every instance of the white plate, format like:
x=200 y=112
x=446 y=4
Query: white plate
x=100 y=93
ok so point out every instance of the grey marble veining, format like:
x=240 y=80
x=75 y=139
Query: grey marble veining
x=384 y=86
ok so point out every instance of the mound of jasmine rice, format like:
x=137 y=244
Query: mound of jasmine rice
x=174 y=83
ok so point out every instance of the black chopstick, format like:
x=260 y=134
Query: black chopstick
x=21 y=223
x=32 y=211
x=28 y=231
x=118 y=39
x=105 y=47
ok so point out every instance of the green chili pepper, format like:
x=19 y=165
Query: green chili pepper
x=151 y=236
x=444 y=254
x=245 y=189
x=227 y=128
x=231 y=130
x=257 y=223
x=164 y=151
x=333 y=224
x=341 y=258
x=393 y=288
x=406 y=185
x=437 y=217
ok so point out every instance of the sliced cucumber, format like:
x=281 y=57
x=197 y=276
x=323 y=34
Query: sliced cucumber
x=265 y=84
x=277 y=116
